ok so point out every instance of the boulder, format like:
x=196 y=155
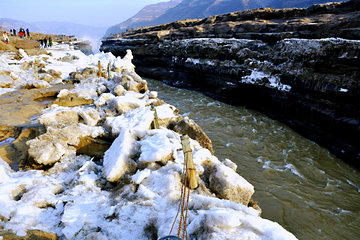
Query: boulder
x=27 y=44
x=119 y=90
x=54 y=73
x=92 y=147
x=189 y=127
x=41 y=84
x=61 y=116
x=6 y=81
x=71 y=100
x=227 y=184
x=124 y=104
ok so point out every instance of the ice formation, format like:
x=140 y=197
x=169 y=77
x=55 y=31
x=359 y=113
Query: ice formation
x=133 y=192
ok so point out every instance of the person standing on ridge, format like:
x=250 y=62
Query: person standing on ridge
x=28 y=33
x=14 y=31
x=50 y=42
x=6 y=38
x=45 y=42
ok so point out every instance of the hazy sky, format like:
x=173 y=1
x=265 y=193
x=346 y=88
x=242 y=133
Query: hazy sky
x=104 y=13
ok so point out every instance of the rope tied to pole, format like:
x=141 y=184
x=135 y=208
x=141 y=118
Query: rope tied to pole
x=190 y=182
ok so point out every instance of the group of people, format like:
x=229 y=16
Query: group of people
x=46 y=42
x=22 y=33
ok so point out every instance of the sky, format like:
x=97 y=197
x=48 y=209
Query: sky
x=100 y=13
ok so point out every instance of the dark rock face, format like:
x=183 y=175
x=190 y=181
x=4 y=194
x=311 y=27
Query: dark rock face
x=300 y=66
x=84 y=46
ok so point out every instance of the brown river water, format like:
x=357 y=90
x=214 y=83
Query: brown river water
x=298 y=184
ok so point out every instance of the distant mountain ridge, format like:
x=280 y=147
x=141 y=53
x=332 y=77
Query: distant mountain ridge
x=197 y=9
x=145 y=16
x=65 y=28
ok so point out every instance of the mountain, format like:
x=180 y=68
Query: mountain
x=197 y=9
x=144 y=17
x=7 y=24
x=65 y=28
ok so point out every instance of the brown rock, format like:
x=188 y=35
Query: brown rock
x=92 y=147
x=36 y=51
x=31 y=235
x=27 y=44
x=72 y=100
x=54 y=73
x=189 y=127
x=15 y=153
x=8 y=131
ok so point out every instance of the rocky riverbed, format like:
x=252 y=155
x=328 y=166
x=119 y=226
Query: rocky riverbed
x=300 y=66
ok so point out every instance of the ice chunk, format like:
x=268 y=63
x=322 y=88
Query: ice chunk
x=123 y=104
x=59 y=116
x=139 y=119
x=117 y=161
x=140 y=175
x=156 y=148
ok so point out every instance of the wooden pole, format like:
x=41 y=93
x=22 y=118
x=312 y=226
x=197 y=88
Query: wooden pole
x=99 y=65
x=190 y=168
x=124 y=81
x=156 y=119
x=36 y=71
x=108 y=69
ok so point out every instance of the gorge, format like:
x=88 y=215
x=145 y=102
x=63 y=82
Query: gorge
x=299 y=66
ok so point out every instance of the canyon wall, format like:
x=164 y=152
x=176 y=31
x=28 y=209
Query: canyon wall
x=299 y=66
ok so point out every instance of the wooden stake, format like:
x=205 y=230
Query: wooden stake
x=124 y=81
x=36 y=71
x=156 y=119
x=99 y=65
x=108 y=68
x=190 y=168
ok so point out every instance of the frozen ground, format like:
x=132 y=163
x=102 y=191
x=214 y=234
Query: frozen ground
x=133 y=192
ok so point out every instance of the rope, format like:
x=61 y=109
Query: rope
x=183 y=201
x=177 y=213
x=186 y=213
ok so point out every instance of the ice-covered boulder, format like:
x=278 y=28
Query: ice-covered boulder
x=90 y=116
x=103 y=99
x=6 y=81
x=138 y=118
x=157 y=146
x=119 y=90
x=41 y=84
x=124 y=104
x=227 y=184
x=59 y=116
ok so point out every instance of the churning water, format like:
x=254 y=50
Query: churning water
x=298 y=184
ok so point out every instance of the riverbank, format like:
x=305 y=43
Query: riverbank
x=91 y=162
x=276 y=61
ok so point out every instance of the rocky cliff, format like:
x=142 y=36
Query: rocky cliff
x=300 y=66
x=143 y=17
